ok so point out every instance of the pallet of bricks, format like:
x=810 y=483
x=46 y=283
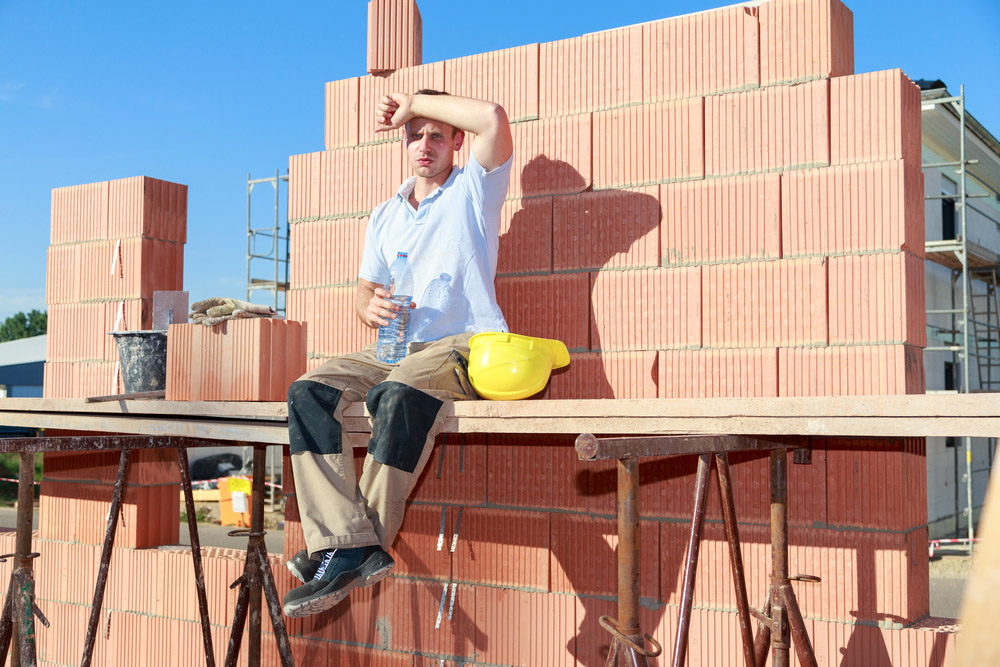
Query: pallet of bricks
x=709 y=205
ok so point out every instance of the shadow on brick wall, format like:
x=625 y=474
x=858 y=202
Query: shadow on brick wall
x=560 y=237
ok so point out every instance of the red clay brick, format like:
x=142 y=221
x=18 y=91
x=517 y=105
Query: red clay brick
x=851 y=370
x=853 y=208
x=303 y=187
x=527 y=301
x=395 y=35
x=519 y=462
x=525 y=236
x=81 y=379
x=553 y=156
x=426 y=616
x=113 y=269
x=764 y=130
x=585 y=556
x=877 y=483
x=865 y=575
x=713 y=579
x=647 y=309
x=707 y=52
x=326 y=252
x=508 y=77
x=605 y=375
x=79 y=213
x=508 y=548
x=877 y=299
x=874 y=117
x=455 y=471
x=333 y=327
x=666 y=142
x=341 y=118
x=78 y=331
x=77 y=511
x=608 y=229
x=667 y=487
x=422 y=548
x=359 y=179
x=345 y=182
x=721 y=219
x=241 y=359
x=858 y=644
x=711 y=373
x=595 y=71
x=522 y=628
x=62 y=274
x=805 y=39
x=147 y=207
x=765 y=304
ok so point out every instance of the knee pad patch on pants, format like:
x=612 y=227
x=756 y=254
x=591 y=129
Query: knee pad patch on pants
x=311 y=426
x=403 y=419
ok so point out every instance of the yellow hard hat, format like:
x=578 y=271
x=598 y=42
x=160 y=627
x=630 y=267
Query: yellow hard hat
x=507 y=367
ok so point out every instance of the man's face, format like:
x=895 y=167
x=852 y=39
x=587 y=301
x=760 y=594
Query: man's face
x=431 y=146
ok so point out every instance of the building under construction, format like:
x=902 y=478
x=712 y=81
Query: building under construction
x=733 y=226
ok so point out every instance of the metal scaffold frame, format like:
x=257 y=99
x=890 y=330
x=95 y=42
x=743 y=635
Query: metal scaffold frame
x=974 y=340
x=274 y=261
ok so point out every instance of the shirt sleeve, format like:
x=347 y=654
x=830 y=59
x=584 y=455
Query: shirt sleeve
x=487 y=187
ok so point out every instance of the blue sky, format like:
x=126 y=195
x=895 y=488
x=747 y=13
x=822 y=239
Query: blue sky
x=204 y=93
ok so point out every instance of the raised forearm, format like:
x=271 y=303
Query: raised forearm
x=492 y=145
x=481 y=117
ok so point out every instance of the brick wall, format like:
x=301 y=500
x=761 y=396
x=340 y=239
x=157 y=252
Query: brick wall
x=710 y=205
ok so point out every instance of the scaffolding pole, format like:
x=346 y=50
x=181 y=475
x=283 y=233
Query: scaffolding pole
x=267 y=247
x=964 y=331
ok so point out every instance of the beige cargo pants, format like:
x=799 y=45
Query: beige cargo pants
x=405 y=402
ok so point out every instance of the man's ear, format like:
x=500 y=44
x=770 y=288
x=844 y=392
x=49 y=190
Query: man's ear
x=459 y=139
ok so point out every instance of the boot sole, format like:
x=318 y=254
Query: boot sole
x=321 y=601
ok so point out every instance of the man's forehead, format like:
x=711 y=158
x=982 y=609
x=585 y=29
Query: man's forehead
x=427 y=125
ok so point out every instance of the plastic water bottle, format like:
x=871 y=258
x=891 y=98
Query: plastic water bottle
x=434 y=308
x=390 y=347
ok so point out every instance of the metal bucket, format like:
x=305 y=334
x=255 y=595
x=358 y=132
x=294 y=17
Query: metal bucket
x=143 y=356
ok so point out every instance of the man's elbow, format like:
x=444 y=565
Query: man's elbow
x=497 y=133
x=498 y=118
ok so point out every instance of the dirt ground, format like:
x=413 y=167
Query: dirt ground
x=951 y=565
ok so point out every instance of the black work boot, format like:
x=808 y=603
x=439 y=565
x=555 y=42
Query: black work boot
x=340 y=571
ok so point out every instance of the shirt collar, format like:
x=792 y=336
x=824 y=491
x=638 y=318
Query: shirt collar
x=407 y=187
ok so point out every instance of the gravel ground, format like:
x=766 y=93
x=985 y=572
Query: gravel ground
x=949 y=570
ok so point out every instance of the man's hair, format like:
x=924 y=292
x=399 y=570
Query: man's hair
x=431 y=91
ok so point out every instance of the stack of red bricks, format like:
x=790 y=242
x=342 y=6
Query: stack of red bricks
x=709 y=205
x=113 y=244
x=254 y=359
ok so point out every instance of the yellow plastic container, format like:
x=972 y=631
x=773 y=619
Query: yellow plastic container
x=234 y=501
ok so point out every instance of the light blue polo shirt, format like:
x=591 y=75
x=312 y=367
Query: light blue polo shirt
x=452 y=241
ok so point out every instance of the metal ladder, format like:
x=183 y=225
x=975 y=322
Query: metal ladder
x=984 y=316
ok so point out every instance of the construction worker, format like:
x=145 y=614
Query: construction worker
x=447 y=219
